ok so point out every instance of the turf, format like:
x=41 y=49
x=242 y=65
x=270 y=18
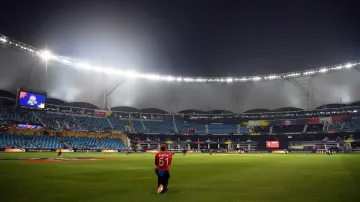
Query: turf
x=220 y=178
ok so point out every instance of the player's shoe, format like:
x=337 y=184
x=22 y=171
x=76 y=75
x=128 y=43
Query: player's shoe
x=160 y=189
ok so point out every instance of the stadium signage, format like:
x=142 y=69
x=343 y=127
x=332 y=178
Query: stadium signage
x=14 y=150
x=40 y=150
x=100 y=113
x=87 y=151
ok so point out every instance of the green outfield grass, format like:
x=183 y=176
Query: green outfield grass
x=200 y=178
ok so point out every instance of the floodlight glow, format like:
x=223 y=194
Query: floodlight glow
x=99 y=69
x=229 y=80
x=349 y=65
x=46 y=55
x=169 y=78
x=293 y=75
x=83 y=65
x=271 y=77
x=154 y=77
x=309 y=72
x=132 y=74
x=111 y=71
x=323 y=70
x=68 y=62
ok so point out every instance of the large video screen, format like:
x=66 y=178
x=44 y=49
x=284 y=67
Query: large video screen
x=32 y=100
x=272 y=144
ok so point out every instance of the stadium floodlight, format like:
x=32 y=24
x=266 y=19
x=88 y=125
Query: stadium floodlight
x=169 y=78
x=3 y=39
x=229 y=80
x=338 y=67
x=309 y=73
x=349 y=65
x=323 y=70
x=292 y=75
x=271 y=77
x=257 y=78
x=46 y=55
x=154 y=77
x=188 y=79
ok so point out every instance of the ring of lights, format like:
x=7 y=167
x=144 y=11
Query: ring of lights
x=48 y=56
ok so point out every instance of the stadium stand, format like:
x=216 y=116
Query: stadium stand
x=94 y=123
x=314 y=128
x=352 y=125
x=119 y=124
x=335 y=126
x=222 y=128
x=17 y=115
x=165 y=126
x=138 y=125
x=288 y=129
x=43 y=141
x=12 y=141
x=183 y=127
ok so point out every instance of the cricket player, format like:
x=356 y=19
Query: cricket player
x=163 y=161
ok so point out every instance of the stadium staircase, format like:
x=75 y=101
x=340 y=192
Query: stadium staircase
x=80 y=126
x=271 y=129
x=63 y=141
x=342 y=126
x=39 y=119
x=28 y=141
x=305 y=127
x=174 y=123
x=143 y=125
x=109 y=122
x=99 y=142
x=58 y=124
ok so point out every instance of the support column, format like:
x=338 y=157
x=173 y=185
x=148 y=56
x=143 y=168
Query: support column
x=218 y=146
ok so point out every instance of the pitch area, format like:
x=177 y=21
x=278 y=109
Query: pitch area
x=199 y=177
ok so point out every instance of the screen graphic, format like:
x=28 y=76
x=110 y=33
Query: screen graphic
x=28 y=126
x=31 y=100
x=272 y=144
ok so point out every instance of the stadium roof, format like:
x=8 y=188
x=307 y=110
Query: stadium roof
x=61 y=78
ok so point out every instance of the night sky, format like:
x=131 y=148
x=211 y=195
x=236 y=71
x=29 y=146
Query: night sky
x=191 y=37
